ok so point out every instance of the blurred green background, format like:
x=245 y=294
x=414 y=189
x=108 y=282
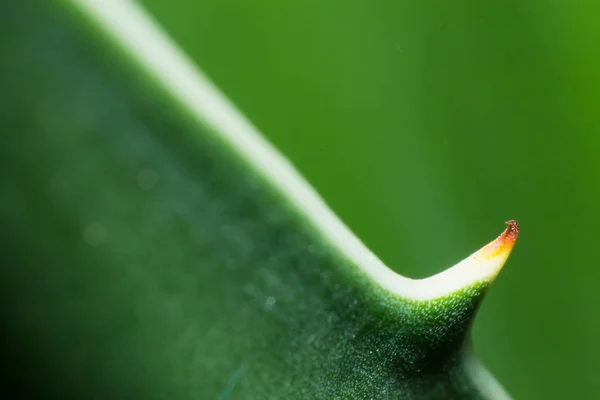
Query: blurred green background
x=425 y=125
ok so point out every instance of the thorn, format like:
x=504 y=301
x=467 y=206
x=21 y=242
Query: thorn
x=503 y=245
x=481 y=266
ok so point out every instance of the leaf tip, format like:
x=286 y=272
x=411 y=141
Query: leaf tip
x=491 y=258
x=483 y=266
x=502 y=246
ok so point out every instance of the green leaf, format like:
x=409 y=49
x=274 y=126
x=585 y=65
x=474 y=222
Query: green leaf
x=155 y=246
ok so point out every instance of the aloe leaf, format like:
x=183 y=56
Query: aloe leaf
x=155 y=246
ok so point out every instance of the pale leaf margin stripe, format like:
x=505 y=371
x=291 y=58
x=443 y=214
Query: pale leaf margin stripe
x=135 y=31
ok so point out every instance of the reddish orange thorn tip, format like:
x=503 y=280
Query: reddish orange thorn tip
x=504 y=243
x=511 y=234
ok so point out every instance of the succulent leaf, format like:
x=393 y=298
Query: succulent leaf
x=157 y=246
